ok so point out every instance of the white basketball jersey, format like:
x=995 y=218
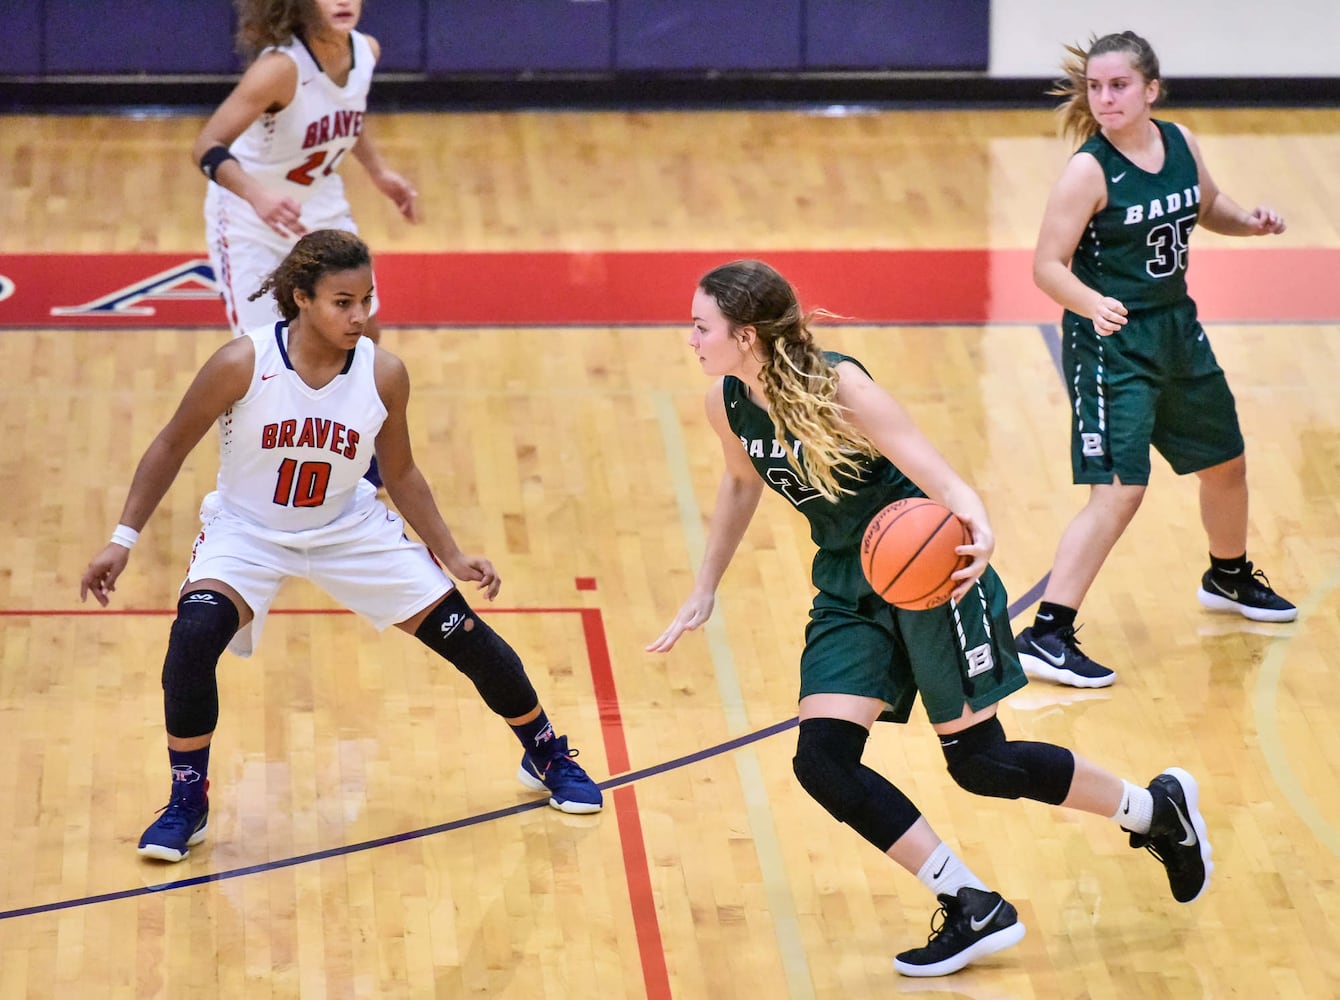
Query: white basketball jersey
x=291 y=457
x=297 y=149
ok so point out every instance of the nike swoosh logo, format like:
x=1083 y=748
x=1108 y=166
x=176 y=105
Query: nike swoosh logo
x=1118 y=177
x=977 y=925
x=1046 y=618
x=734 y=403
x=944 y=864
x=264 y=377
x=1055 y=661
x=1186 y=826
x=1232 y=595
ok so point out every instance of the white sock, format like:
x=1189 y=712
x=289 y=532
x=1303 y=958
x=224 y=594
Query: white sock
x=944 y=874
x=1136 y=811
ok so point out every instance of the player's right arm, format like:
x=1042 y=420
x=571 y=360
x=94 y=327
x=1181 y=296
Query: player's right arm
x=1078 y=195
x=268 y=85
x=222 y=381
x=737 y=499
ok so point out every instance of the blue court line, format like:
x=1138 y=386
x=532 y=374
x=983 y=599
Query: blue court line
x=399 y=838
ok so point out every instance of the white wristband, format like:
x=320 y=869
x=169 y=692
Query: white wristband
x=125 y=536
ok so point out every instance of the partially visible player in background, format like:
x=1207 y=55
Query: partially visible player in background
x=1112 y=251
x=274 y=146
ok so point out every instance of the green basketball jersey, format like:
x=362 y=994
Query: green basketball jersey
x=835 y=526
x=1135 y=249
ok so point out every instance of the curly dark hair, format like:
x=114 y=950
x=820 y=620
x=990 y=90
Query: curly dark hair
x=315 y=255
x=263 y=23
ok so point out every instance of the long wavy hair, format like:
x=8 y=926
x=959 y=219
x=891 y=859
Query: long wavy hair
x=800 y=384
x=317 y=254
x=1075 y=116
x=263 y=23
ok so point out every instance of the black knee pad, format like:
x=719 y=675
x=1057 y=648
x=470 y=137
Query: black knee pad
x=982 y=761
x=828 y=766
x=206 y=622
x=828 y=753
x=454 y=631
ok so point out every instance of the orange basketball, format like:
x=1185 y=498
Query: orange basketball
x=907 y=553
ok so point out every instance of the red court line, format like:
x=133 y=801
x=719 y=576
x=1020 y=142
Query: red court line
x=1254 y=283
x=637 y=870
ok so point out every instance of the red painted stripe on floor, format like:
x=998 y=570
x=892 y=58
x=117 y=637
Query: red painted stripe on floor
x=972 y=286
x=637 y=871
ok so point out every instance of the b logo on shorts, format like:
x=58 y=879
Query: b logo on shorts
x=979 y=659
x=1091 y=445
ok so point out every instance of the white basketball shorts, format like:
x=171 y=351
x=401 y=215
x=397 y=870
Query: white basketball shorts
x=363 y=559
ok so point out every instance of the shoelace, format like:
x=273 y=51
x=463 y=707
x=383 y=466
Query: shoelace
x=177 y=815
x=1253 y=578
x=1070 y=638
x=939 y=923
x=560 y=764
x=1260 y=575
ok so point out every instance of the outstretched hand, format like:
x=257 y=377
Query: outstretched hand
x=99 y=578
x=476 y=569
x=695 y=612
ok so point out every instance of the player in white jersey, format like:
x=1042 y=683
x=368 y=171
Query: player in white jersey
x=274 y=146
x=299 y=408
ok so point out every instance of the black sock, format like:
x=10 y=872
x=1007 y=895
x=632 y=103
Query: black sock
x=537 y=736
x=1229 y=567
x=190 y=773
x=1053 y=618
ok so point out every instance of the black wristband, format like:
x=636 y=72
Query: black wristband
x=214 y=158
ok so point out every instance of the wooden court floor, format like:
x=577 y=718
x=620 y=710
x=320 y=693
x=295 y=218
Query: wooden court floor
x=367 y=836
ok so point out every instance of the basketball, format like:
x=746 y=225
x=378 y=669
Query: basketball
x=907 y=553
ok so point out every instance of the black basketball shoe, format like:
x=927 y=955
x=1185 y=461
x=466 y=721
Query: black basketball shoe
x=1056 y=656
x=1177 y=834
x=972 y=925
x=1247 y=592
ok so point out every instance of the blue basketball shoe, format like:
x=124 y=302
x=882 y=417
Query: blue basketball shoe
x=570 y=788
x=181 y=824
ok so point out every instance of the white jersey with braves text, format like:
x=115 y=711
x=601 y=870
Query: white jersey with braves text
x=296 y=150
x=292 y=458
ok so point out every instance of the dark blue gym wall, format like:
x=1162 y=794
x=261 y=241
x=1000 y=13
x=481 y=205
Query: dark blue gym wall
x=440 y=54
x=63 y=37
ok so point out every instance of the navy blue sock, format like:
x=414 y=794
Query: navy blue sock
x=190 y=773
x=1052 y=618
x=1229 y=567
x=537 y=736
